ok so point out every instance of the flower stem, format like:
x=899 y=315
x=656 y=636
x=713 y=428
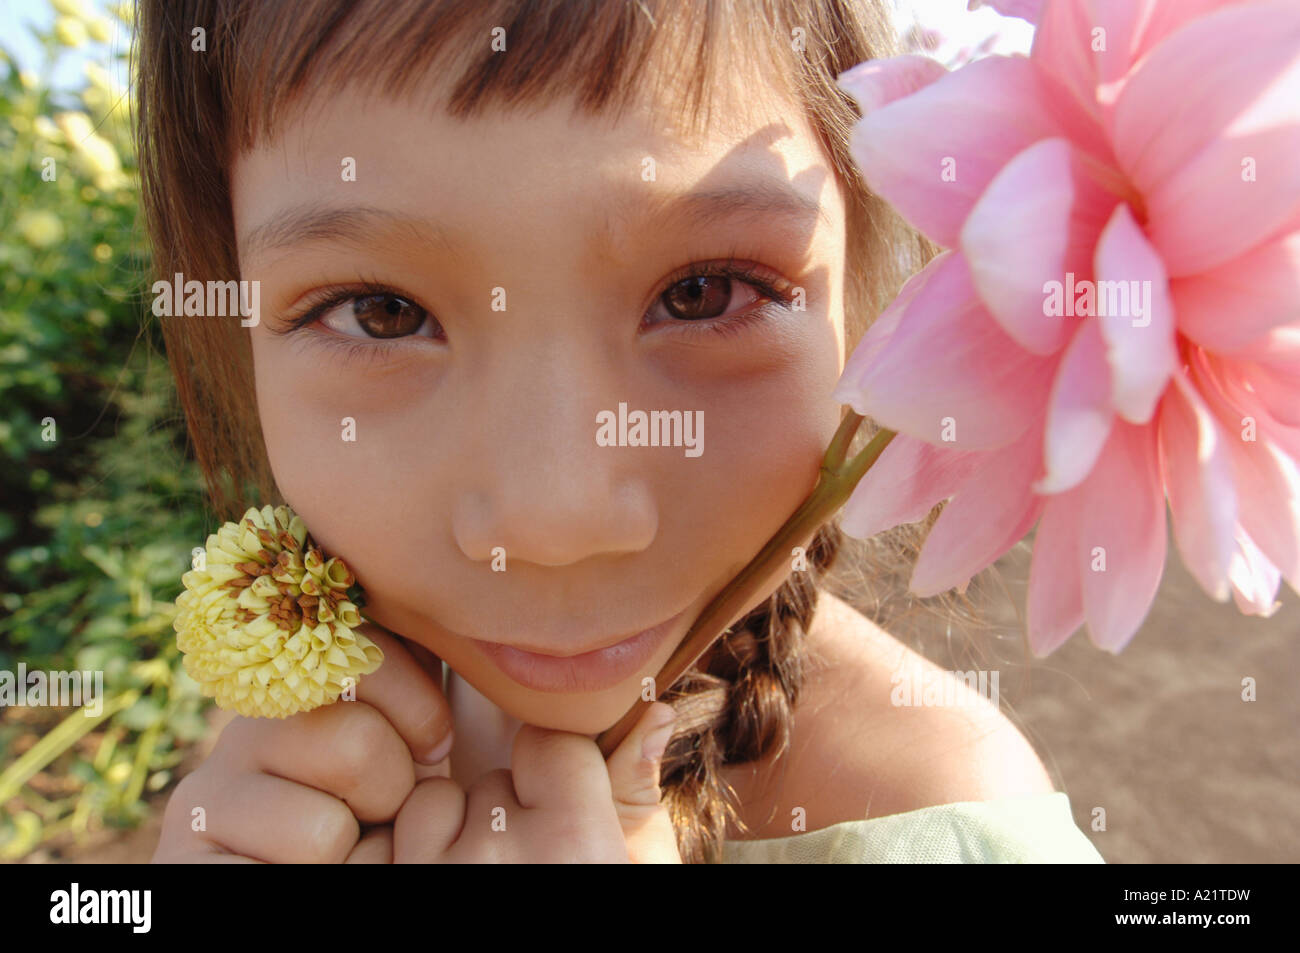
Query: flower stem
x=835 y=482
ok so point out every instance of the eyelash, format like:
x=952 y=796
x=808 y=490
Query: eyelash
x=352 y=349
x=777 y=292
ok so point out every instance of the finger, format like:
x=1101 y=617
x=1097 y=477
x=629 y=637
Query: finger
x=558 y=770
x=205 y=857
x=634 y=782
x=347 y=749
x=279 y=821
x=440 y=770
x=429 y=822
x=426 y=659
x=375 y=847
x=184 y=837
x=495 y=821
x=409 y=696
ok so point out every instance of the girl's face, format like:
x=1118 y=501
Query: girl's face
x=447 y=337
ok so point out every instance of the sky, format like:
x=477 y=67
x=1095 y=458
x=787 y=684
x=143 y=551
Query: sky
x=962 y=27
x=69 y=68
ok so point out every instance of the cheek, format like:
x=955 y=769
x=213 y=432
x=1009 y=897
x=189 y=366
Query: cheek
x=765 y=435
x=321 y=440
x=384 y=499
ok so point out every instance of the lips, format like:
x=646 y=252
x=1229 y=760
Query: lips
x=558 y=653
x=590 y=671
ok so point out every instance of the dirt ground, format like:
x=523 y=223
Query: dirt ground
x=1157 y=736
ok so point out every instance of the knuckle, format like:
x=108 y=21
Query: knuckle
x=493 y=789
x=239 y=735
x=433 y=795
x=189 y=785
x=191 y=790
x=358 y=739
x=542 y=834
x=566 y=832
x=333 y=836
x=202 y=788
x=374 y=847
x=429 y=821
x=641 y=792
x=573 y=842
x=557 y=746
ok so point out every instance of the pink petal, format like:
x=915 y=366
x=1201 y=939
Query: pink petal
x=1029 y=10
x=967 y=125
x=1278 y=389
x=1229 y=306
x=1197 y=473
x=878 y=335
x=1279 y=347
x=1273 y=375
x=992 y=511
x=1054 y=606
x=1039 y=218
x=1122 y=529
x=902 y=486
x=1141 y=347
x=1268 y=487
x=947 y=374
x=1222 y=90
x=1157 y=19
x=1255 y=580
x=1079 y=416
x=1067 y=46
x=1267 y=480
x=1275 y=359
x=877 y=83
x=1266 y=376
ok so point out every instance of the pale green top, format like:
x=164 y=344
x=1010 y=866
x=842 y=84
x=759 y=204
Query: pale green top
x=1032 y=829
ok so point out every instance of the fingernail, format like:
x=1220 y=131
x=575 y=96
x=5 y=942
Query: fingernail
x=440 y=750
x=652 y=748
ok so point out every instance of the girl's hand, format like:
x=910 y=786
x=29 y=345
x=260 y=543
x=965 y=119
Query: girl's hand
x=297 y=790
x=560 y=802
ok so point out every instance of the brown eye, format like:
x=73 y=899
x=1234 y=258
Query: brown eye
x=698 y=297
x=388 y=316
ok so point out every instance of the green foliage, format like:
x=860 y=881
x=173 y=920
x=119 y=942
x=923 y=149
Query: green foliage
x=102 y=506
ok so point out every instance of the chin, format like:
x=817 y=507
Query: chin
x=580 y=721
x=583 y=714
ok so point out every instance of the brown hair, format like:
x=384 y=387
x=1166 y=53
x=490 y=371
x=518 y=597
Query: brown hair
x=196 y=111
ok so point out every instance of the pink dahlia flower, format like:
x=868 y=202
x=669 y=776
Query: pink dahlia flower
x=1116 y=320
x=1024 y=9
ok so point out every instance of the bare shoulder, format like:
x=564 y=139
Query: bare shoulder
x=863 y=744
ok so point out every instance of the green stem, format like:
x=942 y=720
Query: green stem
x=60 y=739
x=835 y=483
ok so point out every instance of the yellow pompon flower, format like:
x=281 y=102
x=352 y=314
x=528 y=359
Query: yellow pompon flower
x=265 y=625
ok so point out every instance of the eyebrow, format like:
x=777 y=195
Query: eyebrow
x=760 y=198
x=315 y=223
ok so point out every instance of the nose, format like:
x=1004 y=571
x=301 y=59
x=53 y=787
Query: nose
x=540 y=486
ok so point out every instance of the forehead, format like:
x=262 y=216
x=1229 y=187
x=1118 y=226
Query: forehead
x=753 y=145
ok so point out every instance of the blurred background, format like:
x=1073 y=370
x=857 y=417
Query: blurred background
x=102 y=506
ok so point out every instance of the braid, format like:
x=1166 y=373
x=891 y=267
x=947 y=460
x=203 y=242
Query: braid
x=736 y=705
